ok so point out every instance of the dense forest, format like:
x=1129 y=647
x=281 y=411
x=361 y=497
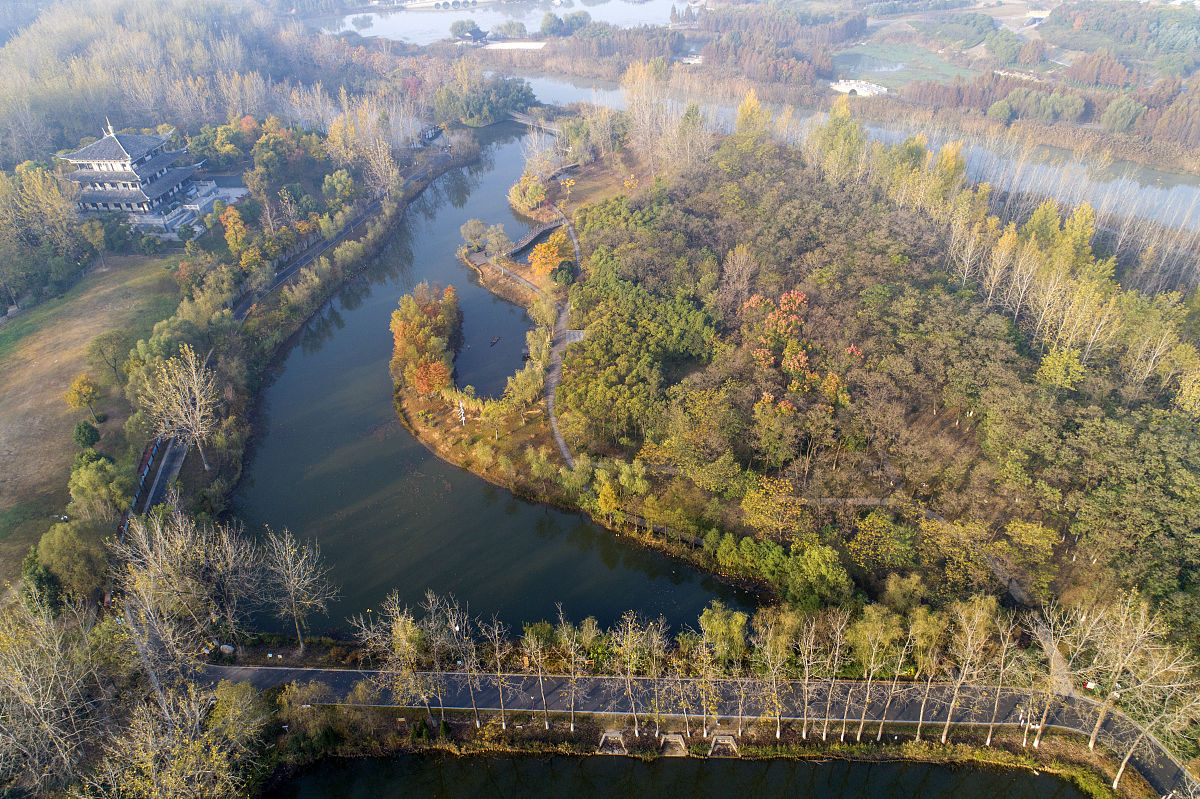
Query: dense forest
x=781 y=351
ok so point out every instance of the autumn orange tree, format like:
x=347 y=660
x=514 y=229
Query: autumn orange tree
x=546 y=256
x=426 y=327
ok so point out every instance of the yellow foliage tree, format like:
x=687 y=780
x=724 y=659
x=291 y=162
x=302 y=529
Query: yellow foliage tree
x=83 y=393
x=549 y=254
x=773 y=509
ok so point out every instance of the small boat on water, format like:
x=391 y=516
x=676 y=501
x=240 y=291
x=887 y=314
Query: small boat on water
x=497 y=338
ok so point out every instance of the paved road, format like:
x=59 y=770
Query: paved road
x=169 y=465
x=608 y=696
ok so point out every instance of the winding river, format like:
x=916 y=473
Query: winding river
x=332 y=462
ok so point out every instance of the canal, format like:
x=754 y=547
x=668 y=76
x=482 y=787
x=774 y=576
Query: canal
x=443 y=777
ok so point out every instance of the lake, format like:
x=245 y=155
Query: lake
x=428 y=25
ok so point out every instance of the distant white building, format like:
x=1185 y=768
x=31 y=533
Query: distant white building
x=862 y=88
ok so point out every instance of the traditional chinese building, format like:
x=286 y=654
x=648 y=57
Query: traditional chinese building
x=131 y=173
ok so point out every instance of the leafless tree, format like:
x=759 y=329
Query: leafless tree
x=900 y=656
x=836 y=621
x=929 y=631
x=571 y=644
x=772 y=649
x=736 y=274
x=629 y=642
x=656 y=643
x=181 y=398
x=1006 y=658
x=1169 y=707
x=392 y=639
x=533 y=649
x=969 y=640
x=873 y=638
x=298 y=578
x=461 y=626
x=495 y=632
x=808 y=647
x=439 y=642
x=48 y=696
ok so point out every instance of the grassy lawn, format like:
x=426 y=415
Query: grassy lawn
x=41 y=351
x=894 y=65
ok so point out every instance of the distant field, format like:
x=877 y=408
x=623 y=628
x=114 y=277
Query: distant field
x=40 y=353
x=894 y=65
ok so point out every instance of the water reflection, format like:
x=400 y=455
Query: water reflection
x=334 y=463
x=447 y=777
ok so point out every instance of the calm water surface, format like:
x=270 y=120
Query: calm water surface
x=333 y=463
x=430 y=777
x=428 y=25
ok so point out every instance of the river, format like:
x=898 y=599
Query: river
x=333 y=463
x=1121 y=188
x=428 y=25
x=430 y=776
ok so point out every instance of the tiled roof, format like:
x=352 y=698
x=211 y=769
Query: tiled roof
x=134 y=175
x=118 y=147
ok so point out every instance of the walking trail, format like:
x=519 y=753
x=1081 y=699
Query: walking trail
x=834 y=709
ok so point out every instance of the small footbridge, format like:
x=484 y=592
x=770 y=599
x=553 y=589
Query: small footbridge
x=534 y=122
x=526 y=241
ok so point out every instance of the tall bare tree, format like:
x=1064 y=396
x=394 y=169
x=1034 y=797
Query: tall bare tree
x=495 y=632
x=1006 y=659
x=298 y=578
x=533 y=649
x=834 y=629
x=571 y=645
x=873 y=637
x=929 y=634
x=808 y=648
x=48 y=696
x=656 y=644
x=973 y=619
x=628 y=640
x=392 y=639
x=181 y=399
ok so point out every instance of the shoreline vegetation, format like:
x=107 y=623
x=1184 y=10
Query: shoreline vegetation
x=830 y=370
x=1061 y=756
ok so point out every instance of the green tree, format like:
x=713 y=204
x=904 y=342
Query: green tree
x=100 y=491
x=109 y=351
x=1121 y=114
x=1000 y=111
x=814 y=576
x=725 y=628
x=1061 y=369
x=459 y=28
x=85 y=435
x=74 y=553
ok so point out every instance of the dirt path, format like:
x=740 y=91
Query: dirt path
x=559 y=343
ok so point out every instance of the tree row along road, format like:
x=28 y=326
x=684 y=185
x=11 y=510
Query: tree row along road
x=834 y=709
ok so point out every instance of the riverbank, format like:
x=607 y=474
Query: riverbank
x=277 y=317
x=391 y=735
x=513 y=447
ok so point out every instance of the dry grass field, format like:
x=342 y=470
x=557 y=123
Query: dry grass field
x=41 y=351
